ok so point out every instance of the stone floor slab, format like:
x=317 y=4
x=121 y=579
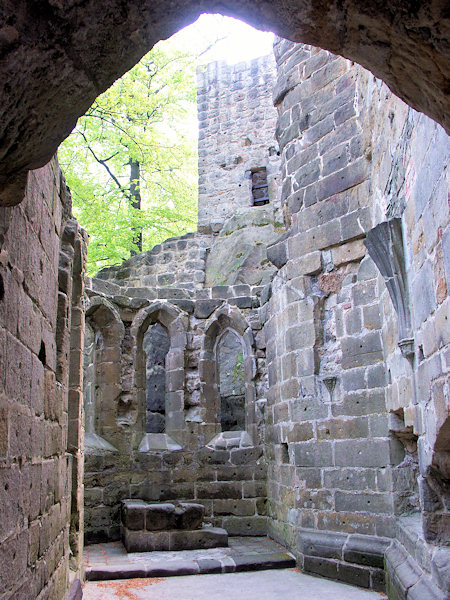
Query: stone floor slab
x=262 y=585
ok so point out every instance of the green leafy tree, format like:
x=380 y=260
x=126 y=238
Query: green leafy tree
x=131 y=161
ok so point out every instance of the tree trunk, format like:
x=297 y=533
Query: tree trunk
x=135 y=180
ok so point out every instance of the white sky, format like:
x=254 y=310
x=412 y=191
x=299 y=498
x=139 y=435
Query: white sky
x=241 y=41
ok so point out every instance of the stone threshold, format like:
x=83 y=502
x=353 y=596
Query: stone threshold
x=242 y=556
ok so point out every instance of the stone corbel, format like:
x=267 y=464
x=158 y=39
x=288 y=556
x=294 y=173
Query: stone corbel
x=385 y=246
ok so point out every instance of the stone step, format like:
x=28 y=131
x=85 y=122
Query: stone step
x=111 y=561
x=200 y=566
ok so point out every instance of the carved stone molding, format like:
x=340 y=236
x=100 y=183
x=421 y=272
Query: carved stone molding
x=385 y=246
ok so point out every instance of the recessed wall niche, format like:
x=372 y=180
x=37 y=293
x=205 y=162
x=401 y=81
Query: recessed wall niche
x=227 y=371
x=159 y=342
x=104 y=331
x=230 y=366
x=156 y=345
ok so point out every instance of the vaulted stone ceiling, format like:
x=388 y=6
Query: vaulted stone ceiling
x=56 y=56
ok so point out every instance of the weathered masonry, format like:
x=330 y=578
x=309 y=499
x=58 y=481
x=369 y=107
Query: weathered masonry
x=176 y=337
x=286 y=366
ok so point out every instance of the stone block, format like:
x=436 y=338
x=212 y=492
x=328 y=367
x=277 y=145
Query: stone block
x=349 y=252
x=353 y=321
x=303 y=336
x=309 y=264
x=361 y=403
x=277 y=254
x=371 y=317
x=244 y=456
x=320 y=566
x=315 y=499
x=343 y=429
x=424 y=588
x=209 y=565
x=313 y=454
x=423 y=294
x=354 y=575
x=239 y=508
x=342 y=180
x=349 y=478
x=307 y=409
x=364 y=293
x=205 y=308
x=207 y=537
x=323 y=544
x=189 y=515
x=355 y=223
x=219 y=490
x=75 y=592
x=241 y=302
x=254 y=489
x=363 y=453
x=361 y=351
x=221 y=291
x=253 y=526
x=440 y=568
x=353 y=379
x=159 y=517
x=364 y=502
x=365 y=550
x=133 y=514
x=298 y=432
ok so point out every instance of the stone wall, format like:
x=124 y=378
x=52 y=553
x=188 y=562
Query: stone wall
x=344 y=416
x=410 y=183
x=176 y=262
x=40 y=435
x=236 y=136
x=190 y=460
x=328 y=441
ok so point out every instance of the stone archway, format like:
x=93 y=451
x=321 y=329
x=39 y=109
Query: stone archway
x=53 y=70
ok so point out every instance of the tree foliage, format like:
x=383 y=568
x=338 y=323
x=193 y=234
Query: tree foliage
x=147 y=118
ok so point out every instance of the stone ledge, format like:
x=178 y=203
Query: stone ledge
x=378 y=563
x=158 y=442
x=406 y=580
x=95 y=444
x=353 y=558
x=227 y=440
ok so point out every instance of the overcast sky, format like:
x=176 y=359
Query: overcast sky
x=241 y=42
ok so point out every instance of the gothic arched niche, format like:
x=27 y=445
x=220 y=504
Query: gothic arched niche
x=156 y=344
x=230 y=368
x=104 y=331
x=227 y=370
x=158 y=335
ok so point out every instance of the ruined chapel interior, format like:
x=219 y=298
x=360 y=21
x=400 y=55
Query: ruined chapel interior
x=284 y=368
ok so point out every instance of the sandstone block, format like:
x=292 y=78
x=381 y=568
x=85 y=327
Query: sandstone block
x=349 y=252
x=313 y=454
x=364 y=502
x=365 y=550
x=361 y=351
x=189 y=515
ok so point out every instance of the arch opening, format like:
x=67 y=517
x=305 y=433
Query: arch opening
x=411 y=60
x=156 y=344
x=230 y=366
